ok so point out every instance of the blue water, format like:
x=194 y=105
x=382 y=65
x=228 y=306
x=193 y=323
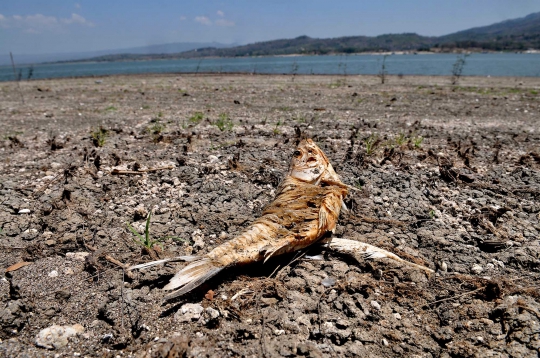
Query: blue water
x=503 y=64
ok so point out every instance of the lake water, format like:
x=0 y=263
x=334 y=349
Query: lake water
x=503 y=64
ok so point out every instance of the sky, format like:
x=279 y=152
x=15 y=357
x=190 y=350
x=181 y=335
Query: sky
x=55 y=26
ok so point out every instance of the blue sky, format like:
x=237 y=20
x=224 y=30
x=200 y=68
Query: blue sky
x=52 y=26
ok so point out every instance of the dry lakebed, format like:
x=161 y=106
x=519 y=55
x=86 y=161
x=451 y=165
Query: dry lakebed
x=448 y=177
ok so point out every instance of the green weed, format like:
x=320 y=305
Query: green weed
x=417 y=141
x=276 y=128
x=145 y=241
x=371 y=143
x=196 y=118
x=401 y=139
x=99 y=136
x=156 y=128
x=111 y=108
x=224 y=123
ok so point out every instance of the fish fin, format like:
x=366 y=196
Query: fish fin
x=159 y=262
x=368 y=251
x=201 y=269
x=322 y=218
x=268 y=254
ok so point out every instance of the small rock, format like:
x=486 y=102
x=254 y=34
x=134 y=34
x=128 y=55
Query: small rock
x=444 y=267
x=50 y=242
x=328 y=282
x=24 y=211
x=77 y=256
x=385 y=342
x=279 y=332
x=397 y=315
x=53 y=273
x=189 y=312
x=212 y=313
x=57 y=336
x=376 y=305
x=268 y=300
x=477 y=269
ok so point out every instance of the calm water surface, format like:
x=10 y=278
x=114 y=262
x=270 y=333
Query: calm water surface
x=506 y=64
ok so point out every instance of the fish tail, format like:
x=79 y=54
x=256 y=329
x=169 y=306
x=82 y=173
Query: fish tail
x=200 y=270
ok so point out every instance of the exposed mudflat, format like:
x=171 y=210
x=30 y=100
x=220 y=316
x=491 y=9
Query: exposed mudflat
x=448 y=177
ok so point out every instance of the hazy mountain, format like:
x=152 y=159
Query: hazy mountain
x=516 y=34
x=510 y=35
x=69 y=56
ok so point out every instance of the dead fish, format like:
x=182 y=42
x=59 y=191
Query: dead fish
x=305 y=210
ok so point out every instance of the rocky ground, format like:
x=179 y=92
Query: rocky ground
x=448 y=177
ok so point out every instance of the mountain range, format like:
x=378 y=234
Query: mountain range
x=510 y=35
x=169 y=48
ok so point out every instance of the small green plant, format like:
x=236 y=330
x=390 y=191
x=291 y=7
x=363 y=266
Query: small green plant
x=111 y=108
x=145 y=241
x=432 y=214
x=371 y=143
x=99 y=136
x=156 y=128
x=160 y=114
x=401 y=139
x=224 y=123
x=196 y=118
x=533 y=92
x=417 y=141
x=145 y=106
x=276 y=128
x=339 y=83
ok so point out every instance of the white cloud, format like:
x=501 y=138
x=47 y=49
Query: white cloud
x=225 y=23
x=3 y=21
x=41 y=20
x=77 y=5
x=77 y=19
x=203 y=20
x=220 y=13
x=182 y=18
x=38 y=22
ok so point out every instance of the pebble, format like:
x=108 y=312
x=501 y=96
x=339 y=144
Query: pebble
x=385 y=342
x=77 y=256
x=212 y=313
x=189 y=312
x=328 y=282
x=376 y=305
x=55 y=337
x=444 y=267
x=53 y=273
x=397 y=315
x=24 y=211
x=477 y=269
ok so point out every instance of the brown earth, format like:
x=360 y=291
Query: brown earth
x=449 y=178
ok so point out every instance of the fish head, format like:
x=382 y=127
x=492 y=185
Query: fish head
x=310 y=164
